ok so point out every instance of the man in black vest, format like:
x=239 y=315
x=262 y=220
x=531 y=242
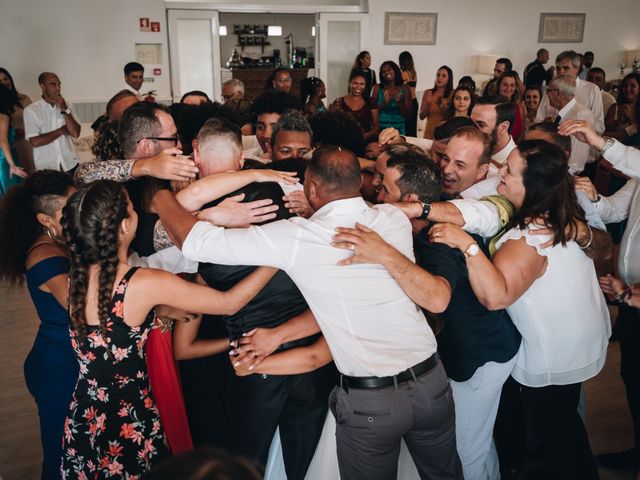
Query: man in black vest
x=258 y=404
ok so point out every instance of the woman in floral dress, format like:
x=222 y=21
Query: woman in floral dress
x=113 y=429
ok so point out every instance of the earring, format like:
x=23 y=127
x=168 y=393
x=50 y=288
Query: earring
x=53 y=236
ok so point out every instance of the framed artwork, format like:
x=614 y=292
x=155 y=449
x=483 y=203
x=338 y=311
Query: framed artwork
x=561 y=27
x=410 y=28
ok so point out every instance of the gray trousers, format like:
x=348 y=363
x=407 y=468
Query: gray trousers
x=370 y=424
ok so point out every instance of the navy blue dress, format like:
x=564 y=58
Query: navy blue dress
x=51 y=368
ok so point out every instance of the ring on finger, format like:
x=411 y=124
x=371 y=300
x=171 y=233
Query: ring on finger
x=352 y=246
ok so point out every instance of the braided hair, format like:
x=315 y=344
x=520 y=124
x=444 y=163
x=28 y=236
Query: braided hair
x=44 y=191
x=308 y=88
x=90 y=222
x=106 y=145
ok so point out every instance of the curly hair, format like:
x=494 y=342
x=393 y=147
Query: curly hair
x=337 y=128
x=191 y=118
x=90 y=223
x=106 y=145
x=45 y=192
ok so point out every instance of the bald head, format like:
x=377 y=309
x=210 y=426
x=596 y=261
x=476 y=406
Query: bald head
x=333 y=173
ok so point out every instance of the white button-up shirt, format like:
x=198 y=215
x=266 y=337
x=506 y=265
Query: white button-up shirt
x=588 y=94
x=371 y=326
x=625 y=203
x=581 y=153
x=41 y=117
x=501 y=156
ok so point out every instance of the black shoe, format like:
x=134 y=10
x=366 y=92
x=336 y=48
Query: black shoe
x=625 y=460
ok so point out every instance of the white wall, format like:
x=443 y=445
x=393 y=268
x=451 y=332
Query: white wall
x=508 y=28
x=87 y=42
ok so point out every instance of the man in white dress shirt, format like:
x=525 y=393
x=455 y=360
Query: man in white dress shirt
x=597 y=76
x=561 y=93
x=588 y=94
x=495 y=117
x=392 y=385
x=49 y=126
x=625 y=203
x=134 y=78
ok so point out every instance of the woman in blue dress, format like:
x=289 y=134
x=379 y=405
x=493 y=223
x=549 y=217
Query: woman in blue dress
x=10 y=172
x=392 y=98
x=30 y=247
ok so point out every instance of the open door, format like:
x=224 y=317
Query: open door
x=194 y=50
x=341 y=36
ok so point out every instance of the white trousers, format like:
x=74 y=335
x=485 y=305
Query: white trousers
x=476 y=402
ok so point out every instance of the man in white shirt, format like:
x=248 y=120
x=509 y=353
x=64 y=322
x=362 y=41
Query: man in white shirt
x=561 y=93
x=464 y=163
x=495 y=117
x=392 y=385
x=623 y=204
x=134 y=78
x=597 y=76
x=588 y=94
x=49 y=126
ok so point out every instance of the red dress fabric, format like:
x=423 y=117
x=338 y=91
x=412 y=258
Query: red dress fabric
x=518 y=125
x=167 y=390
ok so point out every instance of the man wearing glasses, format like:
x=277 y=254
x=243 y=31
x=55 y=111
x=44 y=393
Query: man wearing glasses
x=561 y=93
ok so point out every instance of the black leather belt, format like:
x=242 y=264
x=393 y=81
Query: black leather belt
x=365 y=383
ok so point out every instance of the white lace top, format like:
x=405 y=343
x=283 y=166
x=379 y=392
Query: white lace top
x=563 y=317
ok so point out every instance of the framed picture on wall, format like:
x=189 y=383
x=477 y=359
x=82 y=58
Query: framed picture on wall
x=561 y=27
x=410 y=28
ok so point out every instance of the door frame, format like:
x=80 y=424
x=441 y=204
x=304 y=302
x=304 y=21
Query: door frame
x=173 y=15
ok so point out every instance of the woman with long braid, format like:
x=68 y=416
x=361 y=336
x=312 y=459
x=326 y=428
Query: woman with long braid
x=113 y=428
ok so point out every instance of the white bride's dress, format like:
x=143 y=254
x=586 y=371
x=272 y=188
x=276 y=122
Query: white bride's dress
x=324 y=465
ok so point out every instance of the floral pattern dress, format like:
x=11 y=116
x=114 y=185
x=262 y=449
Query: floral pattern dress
x=113 y=427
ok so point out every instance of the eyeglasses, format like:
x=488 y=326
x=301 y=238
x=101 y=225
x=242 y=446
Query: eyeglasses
x=283 y=80
x=175 y=139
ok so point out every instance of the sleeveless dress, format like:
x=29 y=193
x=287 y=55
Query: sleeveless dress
x=412 y=122
x=363 y=116
x=390 y=116
x=164 y=378
x=7 y=181
x=435 y=117
x=113 y=428
x=51 y=368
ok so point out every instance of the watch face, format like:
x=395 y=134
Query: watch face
x=473 y=250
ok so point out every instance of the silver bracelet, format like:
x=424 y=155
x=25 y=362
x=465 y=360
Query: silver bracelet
x=608 y=143
x=590 y=238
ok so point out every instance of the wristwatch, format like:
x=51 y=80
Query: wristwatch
x=66 y=112
x=472 y=250
x=426 y=208
x=608 y=143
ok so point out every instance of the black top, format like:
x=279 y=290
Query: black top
x=279 y=300
x=535 y=74
x=471 y=335
x=142 y=243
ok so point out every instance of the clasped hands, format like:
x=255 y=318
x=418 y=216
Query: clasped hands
x=251 y=349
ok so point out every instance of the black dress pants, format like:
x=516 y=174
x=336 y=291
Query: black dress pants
x=628 y=329
x=555 y=421
x=298 y=404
